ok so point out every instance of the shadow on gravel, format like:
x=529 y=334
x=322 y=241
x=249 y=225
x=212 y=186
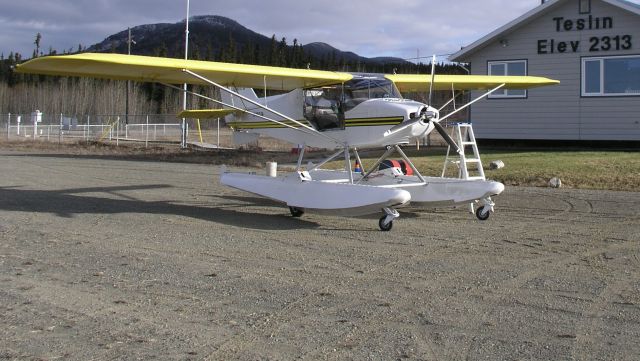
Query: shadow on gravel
x=65 y=203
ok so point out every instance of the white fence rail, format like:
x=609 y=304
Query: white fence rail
x=114 y=128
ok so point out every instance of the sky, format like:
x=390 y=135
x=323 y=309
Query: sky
x=401 y=28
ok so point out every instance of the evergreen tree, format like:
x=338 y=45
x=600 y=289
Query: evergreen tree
x=37 y=43
x=272 y=57
x=283 y=59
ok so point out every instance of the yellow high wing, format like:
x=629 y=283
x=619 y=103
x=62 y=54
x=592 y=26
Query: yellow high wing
x=169 y=70
x=421 y=83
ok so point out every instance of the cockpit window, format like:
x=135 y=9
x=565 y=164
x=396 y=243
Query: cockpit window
x=325 y=107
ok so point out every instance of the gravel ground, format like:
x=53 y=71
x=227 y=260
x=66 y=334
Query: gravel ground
x=117 y=259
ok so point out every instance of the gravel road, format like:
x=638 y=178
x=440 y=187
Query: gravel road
x=116 y=259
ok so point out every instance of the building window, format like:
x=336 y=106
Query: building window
x=585 y=6
x=511 y=67
x=611 y=76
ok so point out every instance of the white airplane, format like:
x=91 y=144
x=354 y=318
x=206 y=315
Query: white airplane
x=325 y=109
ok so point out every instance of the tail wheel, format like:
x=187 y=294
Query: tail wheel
x=385 y=226
x=483 y=213
x=296 y=212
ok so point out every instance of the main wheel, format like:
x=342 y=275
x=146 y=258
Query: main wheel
x=385 y=227
x=296 y=212
x=481 y=214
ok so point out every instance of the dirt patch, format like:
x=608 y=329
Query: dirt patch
x=120 y=259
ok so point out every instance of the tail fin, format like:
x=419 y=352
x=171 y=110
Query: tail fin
x=237 y=101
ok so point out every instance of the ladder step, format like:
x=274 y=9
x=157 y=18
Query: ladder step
x=472 y=160
x=468 y=143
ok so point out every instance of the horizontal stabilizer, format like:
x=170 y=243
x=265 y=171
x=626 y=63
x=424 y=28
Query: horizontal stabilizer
x=206 y=113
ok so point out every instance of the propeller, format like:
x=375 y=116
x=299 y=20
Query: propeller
x=452 y=143
x=433 y=75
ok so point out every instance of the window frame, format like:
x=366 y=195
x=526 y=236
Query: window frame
x=506 y=94
x=584 y=6
x=601 y=60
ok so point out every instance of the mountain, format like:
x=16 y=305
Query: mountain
x=219 y=38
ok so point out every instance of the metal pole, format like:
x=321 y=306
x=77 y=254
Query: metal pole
x=183 y=142
x=88 y=127
x=118 y=131
x=126 y=99
x=218 y=134
x=146 y=138
x=60 y=130
x=9 y=126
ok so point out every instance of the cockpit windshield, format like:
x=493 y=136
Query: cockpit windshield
x=325 y=107
x=370 y=87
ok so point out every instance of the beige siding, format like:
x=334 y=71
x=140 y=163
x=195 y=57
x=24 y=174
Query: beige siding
x=558 y=112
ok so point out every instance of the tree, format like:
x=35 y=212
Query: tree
x=37 y=43
x=272 y=57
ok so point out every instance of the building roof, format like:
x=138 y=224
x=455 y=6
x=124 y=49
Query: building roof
x=525 y=18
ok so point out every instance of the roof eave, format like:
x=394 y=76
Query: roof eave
x=634 y=8
x=459 y=55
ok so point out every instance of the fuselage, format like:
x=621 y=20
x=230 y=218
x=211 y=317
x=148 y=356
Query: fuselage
x=365 y=112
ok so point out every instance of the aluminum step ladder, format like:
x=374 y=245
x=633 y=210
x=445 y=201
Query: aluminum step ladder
x=463 y=134
x=469 y=167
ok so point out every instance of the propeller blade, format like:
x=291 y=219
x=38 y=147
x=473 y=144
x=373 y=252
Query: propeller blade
x=452 y=143
x=433 y=74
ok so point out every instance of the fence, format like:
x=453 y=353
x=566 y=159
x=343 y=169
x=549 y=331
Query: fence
x=117 y=129
x=151 y=128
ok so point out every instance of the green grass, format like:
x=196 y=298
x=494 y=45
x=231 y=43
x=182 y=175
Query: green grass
x=614 y=170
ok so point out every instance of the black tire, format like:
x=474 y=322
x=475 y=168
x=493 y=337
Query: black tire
x=480 y=216
x=296 y=212
x=383 y=227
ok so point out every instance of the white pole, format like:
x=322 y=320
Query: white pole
x=88 y=127
x=60 y=130
x=9 y=126
x=118 y=131
x=146 y=138
x=218 y=134
x=183 y=142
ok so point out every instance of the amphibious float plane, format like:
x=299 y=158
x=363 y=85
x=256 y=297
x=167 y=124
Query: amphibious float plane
x=334 y=110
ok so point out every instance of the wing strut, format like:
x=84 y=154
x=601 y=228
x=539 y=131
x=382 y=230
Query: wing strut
x=195 y=75
x=471 y=102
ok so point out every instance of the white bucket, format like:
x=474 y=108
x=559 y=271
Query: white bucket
x=272 y=169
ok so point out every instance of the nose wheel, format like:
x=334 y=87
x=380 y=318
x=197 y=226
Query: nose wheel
x=483 y=213
x=386 y=222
